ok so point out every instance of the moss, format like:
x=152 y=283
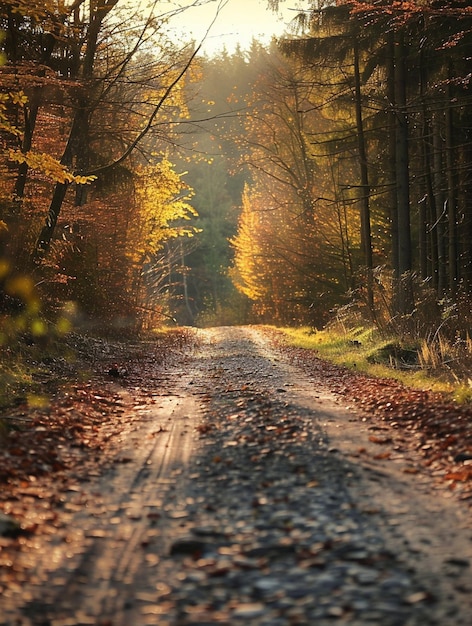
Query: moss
x=394 y=355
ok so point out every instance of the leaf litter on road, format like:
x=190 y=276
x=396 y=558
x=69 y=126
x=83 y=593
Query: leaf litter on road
x=422 y=421
x=266 y=531
x=48 y=453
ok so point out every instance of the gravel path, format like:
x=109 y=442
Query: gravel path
x=276 y=518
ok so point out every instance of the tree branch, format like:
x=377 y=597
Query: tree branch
x=168 y=91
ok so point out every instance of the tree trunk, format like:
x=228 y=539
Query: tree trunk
x=438 y=228
x=405 y=300
x=30 y=122
x=43 y=242
x=428 y=205
x=465 y=195
x=366 y=234
x=451 y=194
x=75 y=148
x=391 y=166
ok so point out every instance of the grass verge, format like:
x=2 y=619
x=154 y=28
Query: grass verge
x=365 y=350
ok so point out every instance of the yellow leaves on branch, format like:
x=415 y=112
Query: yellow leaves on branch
x=49 y=166
x=17 y=98
x=161 y=207
x=36 y=9
x=39 y=161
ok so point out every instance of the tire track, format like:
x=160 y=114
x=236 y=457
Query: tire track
x=112 y=563
x=115 y=527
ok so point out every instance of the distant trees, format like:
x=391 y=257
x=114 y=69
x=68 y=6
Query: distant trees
x=289 y=188
x=211 y=142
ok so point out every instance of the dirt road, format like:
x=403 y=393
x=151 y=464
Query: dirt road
x=247 y=493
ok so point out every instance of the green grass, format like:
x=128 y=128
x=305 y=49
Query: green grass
x=15 y=379
x=33 y=369
x=365 y=350
x=22 y=374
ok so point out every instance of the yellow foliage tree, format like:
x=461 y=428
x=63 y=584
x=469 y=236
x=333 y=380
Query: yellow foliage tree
x=265 y=265
x=249 y=256
x=161 y=214
x=161 y=207
x=118 y=240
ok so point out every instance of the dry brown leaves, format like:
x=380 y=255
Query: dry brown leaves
x=45 y=452
x=428 y=423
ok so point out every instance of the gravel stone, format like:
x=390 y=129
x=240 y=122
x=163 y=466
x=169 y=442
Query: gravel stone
x=277 y=513
x=303 y=549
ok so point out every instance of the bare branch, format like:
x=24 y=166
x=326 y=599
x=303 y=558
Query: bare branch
x=161 y=102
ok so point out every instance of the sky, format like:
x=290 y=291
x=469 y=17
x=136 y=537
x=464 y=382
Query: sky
x=238 y=22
